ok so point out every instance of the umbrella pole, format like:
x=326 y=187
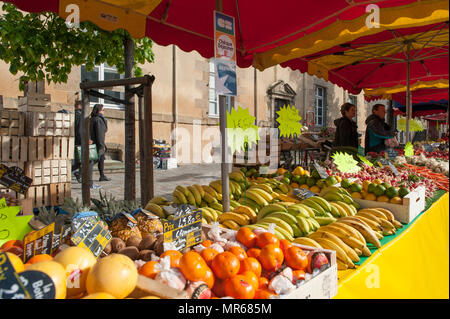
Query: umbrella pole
x=408 y=92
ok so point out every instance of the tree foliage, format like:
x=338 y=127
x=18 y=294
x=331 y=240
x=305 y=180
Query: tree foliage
x=41 y=46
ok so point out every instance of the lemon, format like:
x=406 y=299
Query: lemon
x=383 y=199
x=356 y=195
x=365 y=185
x=396 y=200
x=370 y=196
x=304 y=186
x=315 y=189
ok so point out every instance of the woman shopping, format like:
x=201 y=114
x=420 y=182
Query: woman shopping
x=98 y=129
x=346 y=129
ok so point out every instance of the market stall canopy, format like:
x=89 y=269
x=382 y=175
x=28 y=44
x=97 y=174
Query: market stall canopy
x=267 y=32
x=423 y=109
x=442 y=117
x=421 y=92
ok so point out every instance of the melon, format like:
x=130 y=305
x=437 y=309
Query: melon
x=77 y=262
x=56 y=272
x=115 y=274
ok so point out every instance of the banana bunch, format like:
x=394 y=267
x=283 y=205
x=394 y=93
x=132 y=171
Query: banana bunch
x=240 y=216
x=342 y=204
x=379 y=220
x=160 y=200
x=209 y=215
x=156 y=209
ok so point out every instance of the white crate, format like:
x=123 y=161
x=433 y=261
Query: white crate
x=322 y=286
x=413 y=204
x=169 y=163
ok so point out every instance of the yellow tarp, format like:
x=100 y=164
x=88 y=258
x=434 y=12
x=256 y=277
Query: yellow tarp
x=413 y=265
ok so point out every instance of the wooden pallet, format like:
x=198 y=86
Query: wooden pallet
x=49 y=171
x=12 y=123
x=47 y=148
x=14 y=149
x=48 y=195
x=35 y=103
x=49 y=124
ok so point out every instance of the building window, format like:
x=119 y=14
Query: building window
x=104 y=72
x=213 y=99
x=353 y=99
x=320 y=105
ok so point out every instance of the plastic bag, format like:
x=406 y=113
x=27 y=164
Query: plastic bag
x=258 y=230
x=271 y=228
x=171 y=277
x=215 y=232
x=281 y=284
x=230 y=244
x=169 y=246
x=218 y=247
x=199 y=248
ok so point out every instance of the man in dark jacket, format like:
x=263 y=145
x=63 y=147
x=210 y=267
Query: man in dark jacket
x=98 y=129
x=377 y=130
x=346 y=128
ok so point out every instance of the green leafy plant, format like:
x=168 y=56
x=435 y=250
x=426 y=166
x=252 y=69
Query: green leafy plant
x=41 y=46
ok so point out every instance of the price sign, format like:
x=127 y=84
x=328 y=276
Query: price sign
x=303 y=193
x=58 y=238
x=92 y=236
x=428 y=148
x=184 y=230
x=38 y=284
x=241 y=129
x=80 y=218
x=11 y=287
x=346 y=163
x=385 y=162
x=14 y=178
x=391 y=153
x=38 y=242
x=322 y=172
x=289 y=121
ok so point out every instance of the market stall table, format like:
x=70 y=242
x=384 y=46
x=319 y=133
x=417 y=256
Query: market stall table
x=412 y=264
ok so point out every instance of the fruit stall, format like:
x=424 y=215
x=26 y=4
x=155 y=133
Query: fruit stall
x=287 y=235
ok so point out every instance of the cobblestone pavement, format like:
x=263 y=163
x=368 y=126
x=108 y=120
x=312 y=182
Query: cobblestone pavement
x=165 y=180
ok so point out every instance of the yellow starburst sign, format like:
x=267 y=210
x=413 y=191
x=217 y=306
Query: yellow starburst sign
x=289 y=120
x=241 y=129
x=345 y=163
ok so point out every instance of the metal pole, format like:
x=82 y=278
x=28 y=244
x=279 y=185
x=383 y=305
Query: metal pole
x=408 y=91
x=142 y=162
x=85 y=165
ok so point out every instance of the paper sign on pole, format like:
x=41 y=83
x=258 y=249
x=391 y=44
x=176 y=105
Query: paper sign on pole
x=225 y=54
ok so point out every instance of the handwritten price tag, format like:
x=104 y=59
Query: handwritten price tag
x=185 y=230
x=346 y=163
x=289 y=121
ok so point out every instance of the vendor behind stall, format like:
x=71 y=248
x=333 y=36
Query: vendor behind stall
x=377 y=131
x=346 y=128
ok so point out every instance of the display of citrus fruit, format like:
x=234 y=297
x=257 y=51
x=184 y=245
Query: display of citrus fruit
x=239 y=287
x=356 y=187
x=193 y=266
x=39 y=258
x=253 y=279
x=271 y=257
x=383 y=199
x=254 y=252
x=263 y=282
x=225 y=265
x=266 y=238
x=296 y=258
x=150 y=269
x=208 y=255
x=175 y=257
x=379 y=190
x=370 y=196
x=396 y=200
x=391 y=192
x=250 y=264
x=246 y=237
x=403 y=191
x=239 y=252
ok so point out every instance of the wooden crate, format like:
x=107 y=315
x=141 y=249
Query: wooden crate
x=35 y=103
x=49 y=171
x=46 y=148
x=48 y=195
x=412 y=205
x=14 y=148
x=12 y=123
x=49 y=124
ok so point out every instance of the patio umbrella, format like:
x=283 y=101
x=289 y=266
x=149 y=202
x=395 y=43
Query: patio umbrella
x=390 y=58
x=263 y=29
x=429 y=108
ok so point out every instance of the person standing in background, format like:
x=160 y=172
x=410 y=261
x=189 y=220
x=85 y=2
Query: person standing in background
x=346 y=128
x=98 y=129
x=377 y=131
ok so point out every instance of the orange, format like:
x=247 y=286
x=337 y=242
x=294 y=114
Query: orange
x=219 y=287
x=263 y=294
x=239 y=252
x=175 y=257
x=253 y=279
x=239 y=287
x=250 y=264
x=207 y=243
x=266 y=238
x=11 y=243
x=285 y=244
x=39 y=258
x=225 y=265
x=253 y=252
x=149 y=269
x=209 y=278
x=298 y=275
x=296 y=258
x=271 y=257
x=208 y=255
x=246 y=237
x=263 y=283
x=193 y=266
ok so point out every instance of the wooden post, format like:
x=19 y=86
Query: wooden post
x=130 y=124
x=142 y=161
x=85 y=173
x=148 y=188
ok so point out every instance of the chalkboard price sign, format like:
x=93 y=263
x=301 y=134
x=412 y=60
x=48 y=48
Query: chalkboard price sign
x=322 y=172
x=302 y=193
x=14 y=178
x=38 y=284
x=385 y=162
x=184 y=230
x=38 y=242
x=92 y=236
x=11 y=287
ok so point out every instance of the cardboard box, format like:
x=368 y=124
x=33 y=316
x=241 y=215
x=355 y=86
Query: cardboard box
x=413 y=204
x=169 y=163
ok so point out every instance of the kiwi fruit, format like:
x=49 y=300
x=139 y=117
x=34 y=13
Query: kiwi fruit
x=148 y=242
x=117 y=244
x=131 y=252
x=146 y=255
x=133 y=241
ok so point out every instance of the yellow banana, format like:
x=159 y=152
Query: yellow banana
x=200 y=190
x=342 y=210
x=155 y=209
x=180 y=197
x=386 y=212
x=183 y=190
x=209 y=199
x=262 y=193
x=342 y=265
x=246 y=211
x=196 y=193
x=345 y=237
x=240 y=219
x=206 y=214
x=350 y=230
x=257 y=198
x=231 y=224
x=159 y=200
x=325 y=233
x=328 y=244
x=344 y=206
x=369 y=234
x=375 y=212
x=217 y=185
x=211 y=191
x=264 y=187
x=307 y=242
x=373 y=225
